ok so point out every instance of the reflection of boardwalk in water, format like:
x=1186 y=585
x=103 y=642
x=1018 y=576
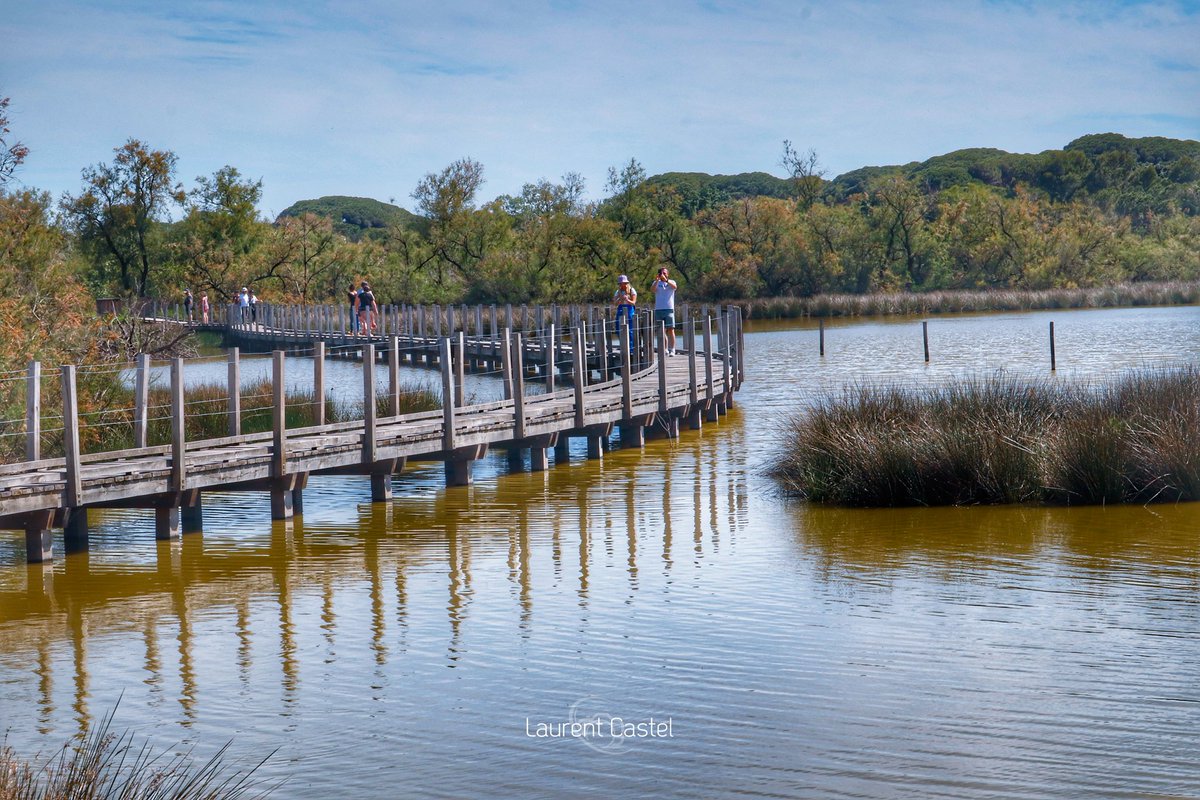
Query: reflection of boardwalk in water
x=654 y=392
x=219 y=603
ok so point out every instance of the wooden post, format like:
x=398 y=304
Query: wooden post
x=394 y=377
x=602 y=347
x=506 y=362
x=741 y=350
x=508 y=316
x=710 y=390
x=821 y=330
x=141 y=401
x=235 y=393
x=447 y=398
x=925 y=338
x=580 y=377
x=318 y=383
x=626 y=377
x=1052 y=360
x=278 y=415
x=33 y=412
x=518 y=376
x=460 y=368
x=368 y=376
x=74 y=484
x=178 y=431
x=549 y=354
x=727 y=387
x=662 y=369
x=695 y=417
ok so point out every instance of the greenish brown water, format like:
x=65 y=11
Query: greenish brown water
x=407 y=649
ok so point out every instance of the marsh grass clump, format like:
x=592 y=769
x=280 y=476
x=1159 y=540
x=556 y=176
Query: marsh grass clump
x=1000 y=440
x=105 y=765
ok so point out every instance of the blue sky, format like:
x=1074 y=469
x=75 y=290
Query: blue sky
x=364 y=97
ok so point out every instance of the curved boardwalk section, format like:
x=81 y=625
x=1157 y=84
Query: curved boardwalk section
x=593 y=383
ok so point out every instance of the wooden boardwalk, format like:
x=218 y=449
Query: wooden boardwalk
x=652 y=391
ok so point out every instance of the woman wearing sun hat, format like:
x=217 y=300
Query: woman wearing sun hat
x=625 y=300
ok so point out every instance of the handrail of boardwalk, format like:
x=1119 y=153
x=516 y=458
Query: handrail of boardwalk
x=697 y=384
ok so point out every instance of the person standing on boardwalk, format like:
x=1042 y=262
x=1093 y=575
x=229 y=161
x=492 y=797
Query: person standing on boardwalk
x=625 y=301
x=367 y=309
x=253 y=307
x=187 y=303
x=244 y=304
x=664 y=306
x=353 y=297
x=204 y=307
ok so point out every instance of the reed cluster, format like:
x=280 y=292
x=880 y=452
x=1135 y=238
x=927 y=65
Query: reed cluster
x=105 y=765
x=954 y=302
x=1135 y=438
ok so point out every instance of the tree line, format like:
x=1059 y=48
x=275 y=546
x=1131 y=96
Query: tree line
x=1104 y=210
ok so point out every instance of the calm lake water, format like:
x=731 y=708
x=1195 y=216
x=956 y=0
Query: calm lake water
x=410 y=649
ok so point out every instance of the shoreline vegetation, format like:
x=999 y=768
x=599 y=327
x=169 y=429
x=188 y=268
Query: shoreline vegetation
x=1124 y=295
x=1132 y=439
x=104 y=764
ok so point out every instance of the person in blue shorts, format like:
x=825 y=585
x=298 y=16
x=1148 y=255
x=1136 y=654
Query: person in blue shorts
x=625 y=301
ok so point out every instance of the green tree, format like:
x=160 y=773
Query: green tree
x=219 y=240
x=119 y=214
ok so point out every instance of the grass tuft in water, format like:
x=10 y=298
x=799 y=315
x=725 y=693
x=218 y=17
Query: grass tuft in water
x=1000 y=440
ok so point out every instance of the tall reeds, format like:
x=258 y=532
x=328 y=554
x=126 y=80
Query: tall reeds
x=105 y=765
x=1000 y=440
x=953 y=302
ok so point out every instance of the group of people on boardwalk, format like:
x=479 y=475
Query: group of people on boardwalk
x=189 y=303
x=625 y=302
x=364 y=311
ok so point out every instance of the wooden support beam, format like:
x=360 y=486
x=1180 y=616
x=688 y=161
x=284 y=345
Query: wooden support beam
x=579 y=370
x=318 y=383
x=191 y=515
x=73 y=490
x=447 y=397
x=166 y=523
x=626 y=375
x=460 y=366
x=368 y=377
x=662 y=368
x=39 y=541
x=33 y=412
x=234 y=382
x=394 y=376
x=506 y=362
x=551 y=347
x=278 y=415
x=141 y=401
x=75 y=529
x=518 y=375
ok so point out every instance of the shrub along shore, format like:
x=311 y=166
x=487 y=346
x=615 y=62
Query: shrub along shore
x=1125 y=295
x=1135 y=438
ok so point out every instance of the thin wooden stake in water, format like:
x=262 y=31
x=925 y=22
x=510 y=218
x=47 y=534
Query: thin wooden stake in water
x=925 y=337
x=821 y=330
x=1052 y=364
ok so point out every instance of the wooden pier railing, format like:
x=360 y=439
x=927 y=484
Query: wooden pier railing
x=618 y=378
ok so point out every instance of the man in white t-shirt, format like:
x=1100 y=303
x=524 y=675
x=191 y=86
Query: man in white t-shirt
x=664 y=306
